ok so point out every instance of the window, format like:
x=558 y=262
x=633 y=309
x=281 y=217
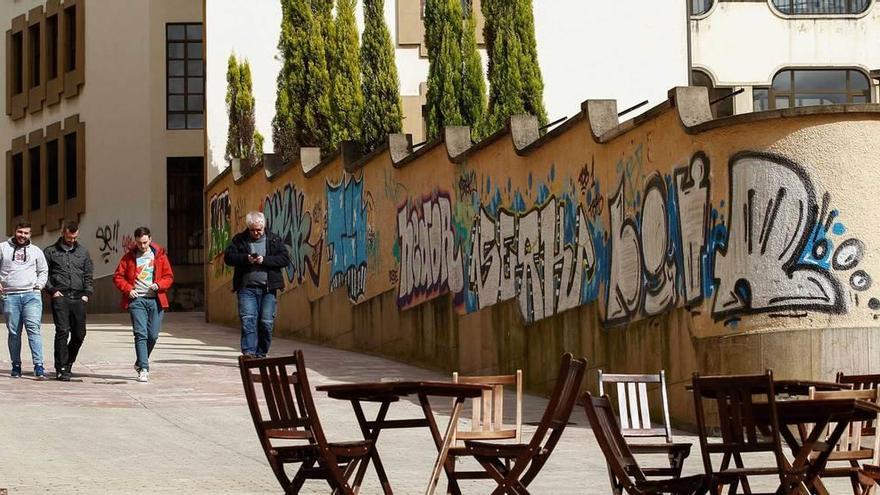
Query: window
x=34 y=168
x=17 y=184
x=17 y=63
x=821 y=7
x=185 y=77
x=724 y=105
x=70 y=30
x=33 y=56
x=70 y=165
x=185 y=205
x=52 y=46
x=700 y=7
x=53 y=173
x=807 y=87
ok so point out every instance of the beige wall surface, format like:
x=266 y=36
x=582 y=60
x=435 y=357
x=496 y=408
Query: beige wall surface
x=122 y=105
x=721 y=246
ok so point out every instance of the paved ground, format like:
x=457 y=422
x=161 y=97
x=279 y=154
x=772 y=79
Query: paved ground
x=189 y=430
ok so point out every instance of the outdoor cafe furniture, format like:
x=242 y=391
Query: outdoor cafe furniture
x=852 y=446
x=749 y=426
x=634 y=411
x=513 y=466
x=288 y=427
x=626 y=475
x=487 y=418
x=384 y=393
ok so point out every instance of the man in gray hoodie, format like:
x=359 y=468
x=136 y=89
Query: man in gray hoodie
x=23 y=274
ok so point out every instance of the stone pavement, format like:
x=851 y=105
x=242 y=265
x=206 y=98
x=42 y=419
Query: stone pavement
x=189 y=431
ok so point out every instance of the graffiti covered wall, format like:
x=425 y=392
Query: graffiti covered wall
x=715 y=229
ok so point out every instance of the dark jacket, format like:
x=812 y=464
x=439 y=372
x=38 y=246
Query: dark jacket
x=236 y=255
x=125 y=276
x=69 y=271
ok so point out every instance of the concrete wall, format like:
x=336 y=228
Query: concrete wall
x=122 y=104
x=669 y=241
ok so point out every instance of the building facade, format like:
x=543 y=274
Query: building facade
x=104 y=125
x=786 y=53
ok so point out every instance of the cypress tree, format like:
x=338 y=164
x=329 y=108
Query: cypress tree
x=473 y=93
x=347 y=99
x=382 y=108
x=443 y=37
x=302 y=106
x=233 y=135
x=243 y=141
x=515 y=84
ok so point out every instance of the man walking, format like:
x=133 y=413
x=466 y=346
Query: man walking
x=144 y=276
x=70 y=285
x=258 y=257
x=23 y=275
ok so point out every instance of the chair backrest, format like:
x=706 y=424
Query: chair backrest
x=487 y=418
x=862 y=382
x=555 y=418
x=608 y=434
x=287 y=410
x=633 y=406
x=851 y=445
x=734 y=397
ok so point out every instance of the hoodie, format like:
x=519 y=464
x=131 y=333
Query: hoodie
x=22 y=268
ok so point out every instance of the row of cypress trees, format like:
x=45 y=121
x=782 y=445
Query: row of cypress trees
x=329 y=88
x=333 y=88
x=243 y=140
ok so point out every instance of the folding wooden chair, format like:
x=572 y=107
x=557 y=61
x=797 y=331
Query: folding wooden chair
x=514 y=465
x=733 y=398
x=292 y=418
x=626 y=475
x=634 y=411
x=487 y=419
x=852 y=448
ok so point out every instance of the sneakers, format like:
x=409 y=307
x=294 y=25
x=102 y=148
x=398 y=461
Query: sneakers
x=143 y=376
x=16 y=371
x=62 y=375
x=39 y=372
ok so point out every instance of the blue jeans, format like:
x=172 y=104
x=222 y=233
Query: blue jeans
x=24 y=310
x=146 y=320
x=256 y=308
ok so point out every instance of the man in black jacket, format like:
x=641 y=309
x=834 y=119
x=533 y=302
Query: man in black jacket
x=258 y=257
x=69 y=286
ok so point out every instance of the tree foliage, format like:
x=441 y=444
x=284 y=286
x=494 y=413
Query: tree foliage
x=456 y=92
x=382 y=113
x=243 y=141
x=515 y=83
x=302 y=105
x=347 y=102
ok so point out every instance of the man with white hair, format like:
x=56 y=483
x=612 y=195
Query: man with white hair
x=258 y=257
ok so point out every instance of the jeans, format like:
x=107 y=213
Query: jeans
x=256 y=308
x=24 y=310
x=69 y=314
x=146 y=320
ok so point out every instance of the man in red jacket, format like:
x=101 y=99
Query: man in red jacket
x=144 y=277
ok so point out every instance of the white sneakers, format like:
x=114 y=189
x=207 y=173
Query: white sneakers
x=143 y=376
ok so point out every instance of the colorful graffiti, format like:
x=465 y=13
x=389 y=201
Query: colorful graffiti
x=221 y=211
x=429 y=257
x=347 y=236
x=288 y=218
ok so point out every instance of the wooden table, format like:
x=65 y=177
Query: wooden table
x=384 y=393
x=819 y=413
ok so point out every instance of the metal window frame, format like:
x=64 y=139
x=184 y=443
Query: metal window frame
x=186 y=92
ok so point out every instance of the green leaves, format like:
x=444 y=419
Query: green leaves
x=242 y=139
x=383 y=113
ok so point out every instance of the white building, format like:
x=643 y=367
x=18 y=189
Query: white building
x=586 y=49
x=786 y=52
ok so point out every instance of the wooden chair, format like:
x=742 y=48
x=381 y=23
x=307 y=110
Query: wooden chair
x=734 y=398
x=514 y=465
x=851 y=449
x=487 y=418
x=634 y=411
x=290 y=417
x=626 y=475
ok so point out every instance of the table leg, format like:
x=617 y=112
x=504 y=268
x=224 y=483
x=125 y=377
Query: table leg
x=810 y=479
x=443 y=444
x=371 y=434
